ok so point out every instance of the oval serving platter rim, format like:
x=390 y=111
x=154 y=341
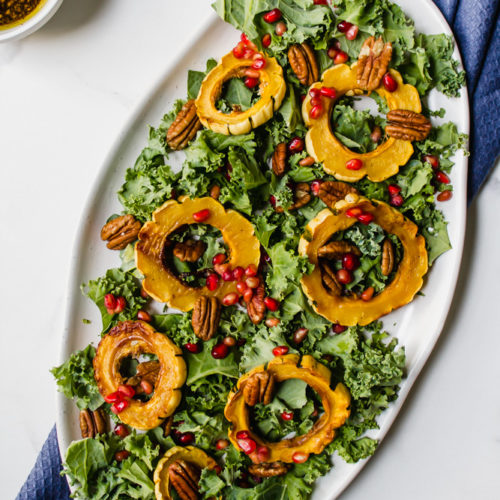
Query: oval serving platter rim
x=104 y=171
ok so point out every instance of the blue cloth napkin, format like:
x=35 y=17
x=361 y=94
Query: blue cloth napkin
x=476 y=27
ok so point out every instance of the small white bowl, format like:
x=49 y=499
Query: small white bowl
x=30 y=25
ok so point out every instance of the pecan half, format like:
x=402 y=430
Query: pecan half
x=184 y=477
x=303 y=63
x=330 y=280
x=120 y=231
x=206 y=317
x=302 y=195
x=93 y=423
x=259 y=388
x=279 y=159
x=332 y=191
x=268 y=469
x=336 y=250
x=189 y=250
x=387 y=257
x=407 y=125
x=373 y=60
x=256 y=308
x=184 y=127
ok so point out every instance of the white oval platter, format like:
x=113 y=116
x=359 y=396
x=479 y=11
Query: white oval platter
x=417 y=325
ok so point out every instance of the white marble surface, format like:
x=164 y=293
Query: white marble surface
x=65 y=92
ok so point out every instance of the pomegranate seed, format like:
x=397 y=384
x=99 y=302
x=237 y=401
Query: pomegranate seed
x=146 y=386
x=329 y=92
x=389 y=82
x=239 y=50
x=110 y=302
x=251 y=270
x=376 y=134
x=241 y=286
x=221 y=268
x=442 y=177
x=315 y=185
x=344 y=276
x=280 y=28
x=338 y=328
x=368 y=294
x=144 y=316
x=212 y=281
x=114 y=397
x=193 y=348
x=344 y=26
x=299 y=457
x=280 y=350
x=353 y=212
x=121 y=303
x=119 y=406
x=332 y=52
x=238 y=273
x=393 y=189
x=266 y=40
x=248 y=295
x=252 y=282
x=242 y=435
x=316 y=101
x=218 y=469
x=220 y=351
x=144 y=294
x=396 y=200
x=271 y=304
x=340 y=57
x=252 y=73
x=247 y=445
x=287 y=415
x=263 y=453
x=229 y=341
x=316 y=111
x=121 y=430
x=222 y=444
x=186 y=438
x=272 y=16
x=244 y=39
x=259 y=64
x=433 y=160
x=300 y=334
x=354 y=164
x=350 y=262
x=365 y=218
x=352 y=32
x=230 y=299
x=251 y=82
x=444 y=196
x=320 y=2
x=122 y=455
x=202 y=215
x=127 y=390
x=248 y=54
x=308 y=161
x=315 y=92
x=272 y=200
x=272 y=322
x=227 y=276
x=296 y=145
x=219 y=258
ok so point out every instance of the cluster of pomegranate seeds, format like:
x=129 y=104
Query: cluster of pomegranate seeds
x=363 y=217
x=396 y=200
x=120 y=399
x=202 y=215
x=354 y=164
x=287 y=415
x=316 y=104
x=389 y=82
x=114 y=304
x=281 y=350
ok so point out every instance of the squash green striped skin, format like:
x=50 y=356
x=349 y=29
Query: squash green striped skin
x=272 y=89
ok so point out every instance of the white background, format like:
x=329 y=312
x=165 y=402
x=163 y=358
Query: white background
x=65 y=92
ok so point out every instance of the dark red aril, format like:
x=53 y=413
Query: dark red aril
x=344 y=276
x=212 y=281
x=259 y=63
x=365 y=218
x=316 y=111
x=352 y=32
x=350 y=262
x=144 y=316
x=146 y=387
x=299 y=457
x=251 y=82
x=202 y=215
x=186 y=438
x=320 y=2
x=271 y=304
x=300 y=334
x=281 y=28
x=332 y=52
x=272 y=16
x=121 y=430
x=126 y=390
x=354 y=164
x=338 y=328
x=113 y=397
x=266 y=40
x=248 y=295
x=287 y=415
x=219 y=258
x=340 y=57
x=121 y=303
x=393 y=189
x=241 y=286
x=242 y=435
x=316 y=101
x=280 y=350
x=227 y=276
x=344 y=26
x=239 y=50
x=238 y=273
x=121 y=455
x=389 y=82
x=329 y=92
x=110 y=302
x=220 y=351
x=230 y=299
x=397 y=200
x=229 y=341
x=353 y=212
x=263 y=453
x=119 y=406
x=368 y=294
x=296 y=145
x=222 y=444
x=315 y=185
x=192 y=347
x=433 y=160
x=251 y=270
x=272 y=200
x=444 y=196
x=247 y=445
x=442 y=177
x=315 y=93
x=252 y=282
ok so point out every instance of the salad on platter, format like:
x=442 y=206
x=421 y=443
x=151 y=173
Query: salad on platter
x=242 y=343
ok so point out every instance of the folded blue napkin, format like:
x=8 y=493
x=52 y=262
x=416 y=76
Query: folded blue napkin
x=476 y=27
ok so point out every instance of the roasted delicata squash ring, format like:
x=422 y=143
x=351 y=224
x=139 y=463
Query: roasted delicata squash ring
x=132 y=338
x=159 y=281
x=325 y=148
x=407 y=281
x=272 y=89
x=335 y=403
x=189 y=454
